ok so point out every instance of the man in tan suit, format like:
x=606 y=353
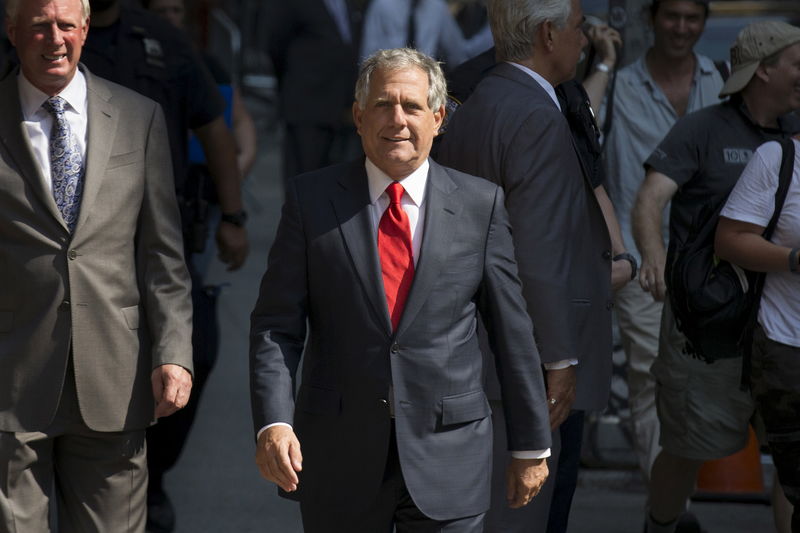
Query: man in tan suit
x=95 y=315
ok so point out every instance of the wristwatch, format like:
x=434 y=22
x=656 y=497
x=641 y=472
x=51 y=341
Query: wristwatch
x=629 y=258
x=602 y=67
x=237 y=219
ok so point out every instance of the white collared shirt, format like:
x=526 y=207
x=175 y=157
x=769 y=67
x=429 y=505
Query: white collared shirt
x=549 y=89
x=38 y=122
x=412 y=201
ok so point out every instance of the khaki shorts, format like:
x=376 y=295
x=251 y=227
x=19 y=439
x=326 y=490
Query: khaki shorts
x=703 y=411
x=775 y=382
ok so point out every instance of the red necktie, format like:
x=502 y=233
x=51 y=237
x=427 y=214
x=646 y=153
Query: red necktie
x=397 y=259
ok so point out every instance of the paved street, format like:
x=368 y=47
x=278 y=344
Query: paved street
x=216 y=487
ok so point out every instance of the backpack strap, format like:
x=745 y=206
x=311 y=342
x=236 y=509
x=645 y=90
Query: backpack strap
x=784 y=180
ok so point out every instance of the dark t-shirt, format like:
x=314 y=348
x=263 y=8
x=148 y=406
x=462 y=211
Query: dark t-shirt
x=705 y=152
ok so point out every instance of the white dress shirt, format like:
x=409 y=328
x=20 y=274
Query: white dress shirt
x=548 y=88
x=413 y=203
x=38 y=122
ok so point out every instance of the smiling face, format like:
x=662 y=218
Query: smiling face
x=677 y=25
x=783 y=80
x=397 y=126
x=49 y=36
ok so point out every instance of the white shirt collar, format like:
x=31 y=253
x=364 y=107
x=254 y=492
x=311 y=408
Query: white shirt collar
x=32 y=98
x=540 y=80
x=414 y=183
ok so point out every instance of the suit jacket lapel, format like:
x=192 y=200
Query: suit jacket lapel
x=14 y=137
x=351 y=204
x=441 y=214
x=101 y=130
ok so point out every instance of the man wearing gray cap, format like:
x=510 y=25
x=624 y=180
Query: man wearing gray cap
x=703 y=413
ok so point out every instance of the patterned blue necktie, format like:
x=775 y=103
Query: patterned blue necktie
x=66 y=163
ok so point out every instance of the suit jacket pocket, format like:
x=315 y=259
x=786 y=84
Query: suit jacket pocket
x=6 y=321
x=319 y=401
x=465 y=407
x=131 y=315
x=121 y=160
x=580 y=313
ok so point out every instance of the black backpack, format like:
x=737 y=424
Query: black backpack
x=713 y=301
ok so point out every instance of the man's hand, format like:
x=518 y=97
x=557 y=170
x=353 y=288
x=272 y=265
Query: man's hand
x=524 y=480
x=605 y=40
x=278 y=457
x=651 y=200
x=232 y=244
x=620 y=274
x=561 y=388
x=172 y=385
x=651 y=277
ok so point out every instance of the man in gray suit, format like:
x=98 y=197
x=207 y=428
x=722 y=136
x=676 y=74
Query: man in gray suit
x=512 y=132
x=95 y=315
x=376 y=277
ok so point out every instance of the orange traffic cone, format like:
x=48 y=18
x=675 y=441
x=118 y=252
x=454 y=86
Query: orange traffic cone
x=738 y=477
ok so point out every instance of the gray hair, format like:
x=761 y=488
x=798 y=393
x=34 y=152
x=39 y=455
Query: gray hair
x=12 y=6
x=514 y=24
x=402 y=58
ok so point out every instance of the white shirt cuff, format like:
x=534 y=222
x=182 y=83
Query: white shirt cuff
x=560 y=365
x=262 y=430
x=532 y=454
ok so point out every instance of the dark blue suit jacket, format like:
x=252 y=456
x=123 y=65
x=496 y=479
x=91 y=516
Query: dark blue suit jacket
x=322 y=297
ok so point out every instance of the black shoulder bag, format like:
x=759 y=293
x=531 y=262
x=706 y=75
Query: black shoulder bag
x=711 y=299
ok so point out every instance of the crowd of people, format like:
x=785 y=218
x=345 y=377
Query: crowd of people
x=463 y=214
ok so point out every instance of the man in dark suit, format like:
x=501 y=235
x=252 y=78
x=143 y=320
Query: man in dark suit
x=313 y=45
x=511 y=131
x=391 y=412
x=95 y=314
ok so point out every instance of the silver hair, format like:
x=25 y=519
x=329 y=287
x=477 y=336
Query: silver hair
x=12 y=6
x=397 y=59
x=514 y=24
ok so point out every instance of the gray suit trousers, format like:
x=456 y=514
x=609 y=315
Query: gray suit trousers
x=99 y=478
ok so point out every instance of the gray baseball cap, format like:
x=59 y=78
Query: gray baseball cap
x=756 y=42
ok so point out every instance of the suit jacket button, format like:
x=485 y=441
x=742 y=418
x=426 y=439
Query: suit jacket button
x=72 y=254
x=609 y=305
x=395 y=348
x=65 y=304
x=383 y=402
x=607 y=255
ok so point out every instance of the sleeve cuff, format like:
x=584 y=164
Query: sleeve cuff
x=262 y=430
x=531 y=454
x=560 y=365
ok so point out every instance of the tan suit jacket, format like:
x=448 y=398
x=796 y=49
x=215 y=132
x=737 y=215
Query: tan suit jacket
x=116 y=291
